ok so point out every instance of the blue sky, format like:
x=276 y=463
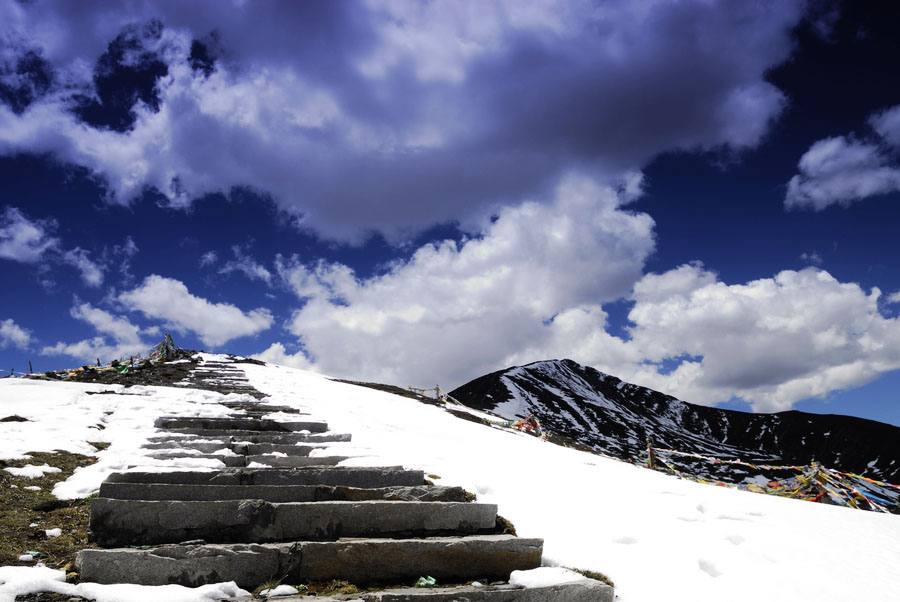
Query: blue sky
x=699 y=197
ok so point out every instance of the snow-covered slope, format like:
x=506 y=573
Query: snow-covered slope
x=657 y=537
x=617 y=418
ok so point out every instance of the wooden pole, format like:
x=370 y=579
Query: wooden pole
x=30 y=369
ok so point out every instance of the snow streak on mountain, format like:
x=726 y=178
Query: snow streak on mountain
x=616 y=418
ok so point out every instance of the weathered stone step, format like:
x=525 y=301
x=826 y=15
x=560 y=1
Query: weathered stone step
x=244 y=449
x=249 y=436
x=260 y=437
x=277 y=493
x=360 y=561
x=200 y=446
x=290 y=461
x=240 y=461
x=349 y=476
x=141 y=522
x=258 y=407
x=588 y=590
x=257 y=449
x=223 y=423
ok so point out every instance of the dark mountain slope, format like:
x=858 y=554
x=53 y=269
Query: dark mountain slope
x=616 y=418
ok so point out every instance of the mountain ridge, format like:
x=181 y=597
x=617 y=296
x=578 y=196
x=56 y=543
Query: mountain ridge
x=615 y=417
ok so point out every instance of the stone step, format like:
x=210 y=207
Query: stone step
x=360 y=561
x=200 y=446
x=588 y=590
x=244 y=449
x=278 y=493
x=260 y=437
x=141 y=522
x=259 y=407
x=290 y=461
x=257 y=449
x=240 y=461
x=225 y=423
x=249 y=436
x=349 y=476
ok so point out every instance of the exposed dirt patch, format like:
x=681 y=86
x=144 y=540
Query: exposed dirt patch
x=21 y=508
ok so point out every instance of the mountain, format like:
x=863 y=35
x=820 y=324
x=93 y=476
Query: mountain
x=616 y=418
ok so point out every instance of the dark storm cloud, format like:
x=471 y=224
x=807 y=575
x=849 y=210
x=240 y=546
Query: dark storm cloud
x=392 y=117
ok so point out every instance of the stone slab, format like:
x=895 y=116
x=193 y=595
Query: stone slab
x=141 y=522
x=277 y=493
x=588 y=590
x=350 y=476
x=260 y=437
x=238 y=461
x=292 y=461
x=257 y=424
x=361 y=561
x=256 y=436
x=200 y=446
x=257 y=449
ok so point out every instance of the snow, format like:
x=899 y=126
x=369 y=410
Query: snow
x=544 y=576
x=700 y=542
x=53 y=532
x=19 y=581
x=32 y=471
x=281 y=590
x=656 y=537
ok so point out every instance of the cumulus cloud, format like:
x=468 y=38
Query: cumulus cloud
x=13 y=335
x=25 y=240
x=771 y=342
x=454 y=310
x=214 y=323
x=118 y=338
x=844 y=169
x=377 y=116
x=533 y=287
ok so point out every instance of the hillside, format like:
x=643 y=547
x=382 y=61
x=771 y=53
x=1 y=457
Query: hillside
x=616 y=418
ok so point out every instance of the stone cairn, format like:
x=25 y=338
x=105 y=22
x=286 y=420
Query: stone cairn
x=281 y=512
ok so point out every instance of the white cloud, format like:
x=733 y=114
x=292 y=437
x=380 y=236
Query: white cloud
x=121 y=338
x=13 y=335
x=454 y=311
x=208 y=258
x=842 y=170
x=887 y=124
x=244 y=264
x=214 y=323
x=771 y=342
x=91 y=272
x=277 y=354
x=533 y=287
x=30 y=241
x=413 y=113
x=22 y=239
x=811 y=258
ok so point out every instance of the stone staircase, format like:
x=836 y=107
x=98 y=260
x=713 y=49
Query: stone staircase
x=283 y=511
